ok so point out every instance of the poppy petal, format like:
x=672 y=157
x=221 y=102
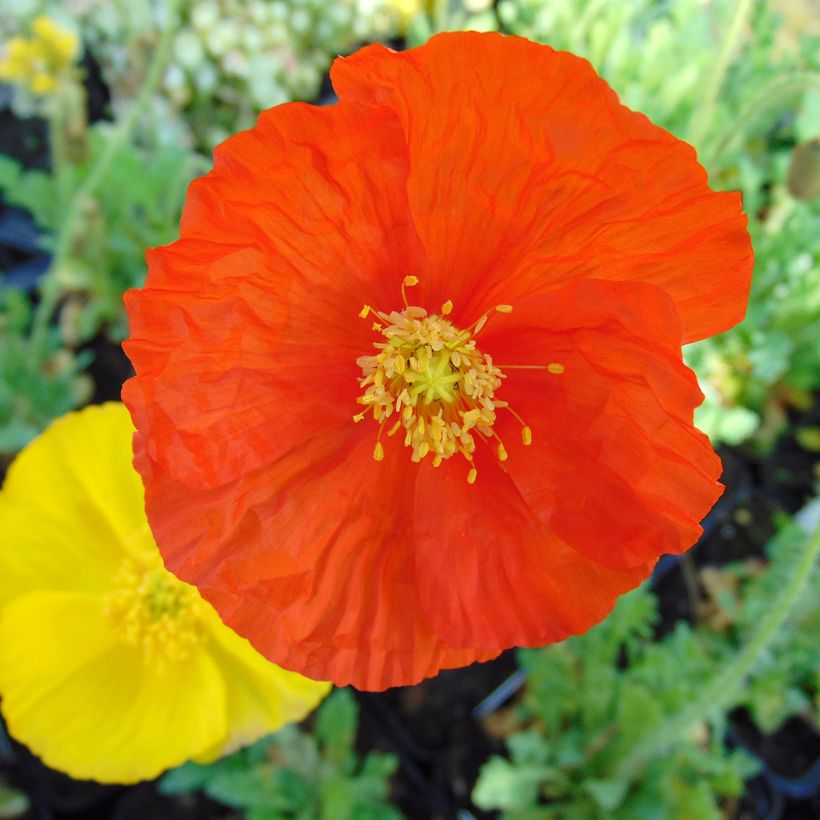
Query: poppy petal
x=531 y=174
x=480 y=587
x=254 y=310
x=259 y=696
x=616 y=449
x=82 y=688
x=56 y=483
x=541 y=545
x=319 y=573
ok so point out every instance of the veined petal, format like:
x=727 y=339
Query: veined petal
x=93 y=707
x=616 y=467
x=531 y=174
x=543 y=543
x=255 y=310
x=318 y=572
x=490 y=574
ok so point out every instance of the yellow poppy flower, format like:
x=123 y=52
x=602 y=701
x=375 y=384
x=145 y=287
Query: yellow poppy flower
x=111 y=668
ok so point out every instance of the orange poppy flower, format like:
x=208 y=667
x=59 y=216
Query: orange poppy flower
x=409 y=387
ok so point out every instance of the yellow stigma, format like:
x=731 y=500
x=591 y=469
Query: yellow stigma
x=153 y=610
x=433 y=378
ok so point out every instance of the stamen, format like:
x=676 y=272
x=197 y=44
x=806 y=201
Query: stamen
x=553 y=367
x=152 y=610
x=431 y=374
x=408 y=282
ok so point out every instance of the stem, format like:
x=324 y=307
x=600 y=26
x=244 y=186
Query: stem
x=56 y=144
x=722 y=687
x=49 y=290
x=703 y=114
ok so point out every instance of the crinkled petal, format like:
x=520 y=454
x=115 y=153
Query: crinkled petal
x=542 y=544
x=246 y=335
x=526 y=173
x=92 y=707
x=491 y=574
x=318 y=570
x=622 y=473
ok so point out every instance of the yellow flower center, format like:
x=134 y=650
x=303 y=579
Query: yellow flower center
x=155 y=611
x=431 y=376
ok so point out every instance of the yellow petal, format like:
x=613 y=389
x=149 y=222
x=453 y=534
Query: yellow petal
x=89 y=705
x=261 y=697
x=72 y=505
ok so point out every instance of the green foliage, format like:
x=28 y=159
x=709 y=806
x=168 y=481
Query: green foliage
x=590 y=700
x=231 y=58
x=13 y=803
x=293 y=774
x=34 y=389
x=136 y=205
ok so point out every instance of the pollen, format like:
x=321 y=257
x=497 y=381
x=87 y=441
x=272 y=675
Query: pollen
x=154 y=611
x=431 y=376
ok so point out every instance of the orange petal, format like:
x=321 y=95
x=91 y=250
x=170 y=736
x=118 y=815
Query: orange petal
x=248 y=325
x=310 y=559
x=491 y=574
x=616 y=468
x=526 y=172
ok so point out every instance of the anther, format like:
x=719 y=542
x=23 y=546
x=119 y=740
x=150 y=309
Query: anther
x=408 y=282
x=526 y=436
x=447 y=308
x=555 y=368
x=378 y=451
x=472 y=475
x=364 y=311
x=502 y=452
x=504 y=308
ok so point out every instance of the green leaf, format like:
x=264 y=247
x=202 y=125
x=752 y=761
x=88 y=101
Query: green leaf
x=608 y=794
x=336 y=724
x=13 y=803
x=185 y=779
x=503 y=785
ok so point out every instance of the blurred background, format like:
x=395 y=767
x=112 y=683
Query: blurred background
x=698 y=698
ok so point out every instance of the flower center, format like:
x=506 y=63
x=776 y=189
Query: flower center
x=431 y=376
x=153 y=610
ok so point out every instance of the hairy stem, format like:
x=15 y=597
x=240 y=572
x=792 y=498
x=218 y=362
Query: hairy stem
x=722 y=688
